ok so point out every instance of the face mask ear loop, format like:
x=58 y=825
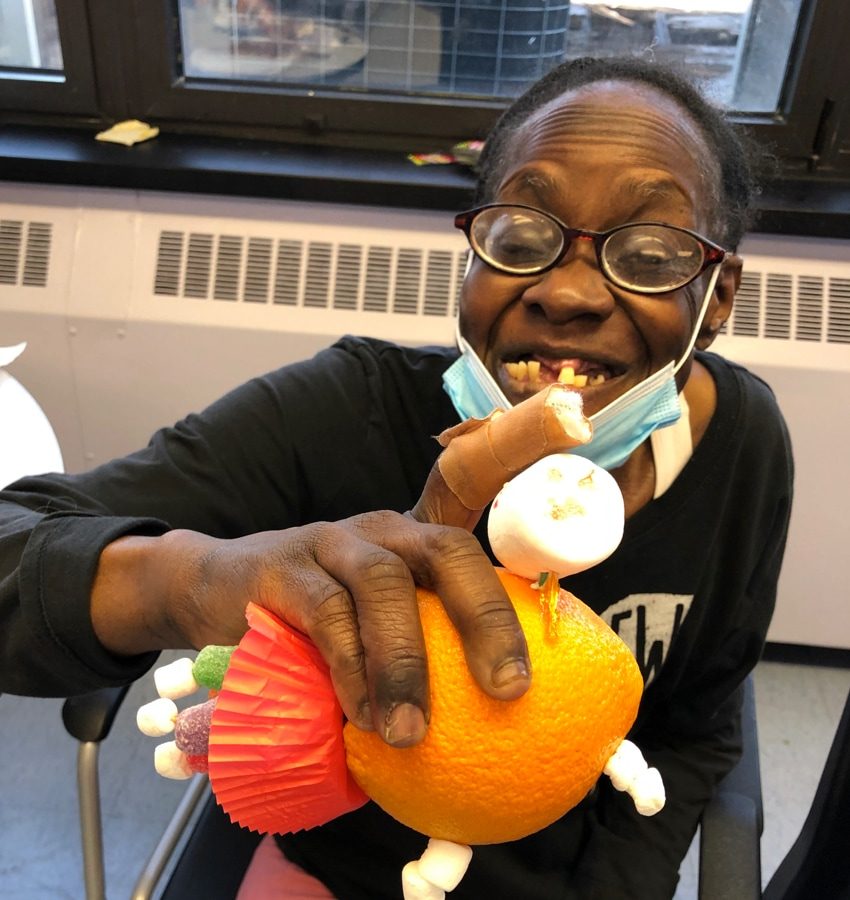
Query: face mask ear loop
x=460 y=342
x=712 y=283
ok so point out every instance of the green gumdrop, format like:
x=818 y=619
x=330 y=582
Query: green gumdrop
x=210 y=665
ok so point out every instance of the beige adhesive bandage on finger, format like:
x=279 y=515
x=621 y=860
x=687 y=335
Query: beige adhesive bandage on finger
x=480 y=455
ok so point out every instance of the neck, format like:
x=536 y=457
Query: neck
x=636 y=479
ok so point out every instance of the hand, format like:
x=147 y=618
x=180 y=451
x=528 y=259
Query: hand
x=350 y=586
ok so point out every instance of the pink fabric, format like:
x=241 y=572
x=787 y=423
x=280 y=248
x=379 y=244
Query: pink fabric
x=271 y=876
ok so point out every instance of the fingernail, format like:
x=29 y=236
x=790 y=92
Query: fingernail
x=405 y=725
x=364 y=718
x=510 y=671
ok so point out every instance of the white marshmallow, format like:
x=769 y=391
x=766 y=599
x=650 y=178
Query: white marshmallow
x=170 y=762
x=176 y=679
x=625 y=765
x=648 y=793
x=629 y=772
x=415 y=887
x=157 y=718
x=563 y=514
x=444 y=863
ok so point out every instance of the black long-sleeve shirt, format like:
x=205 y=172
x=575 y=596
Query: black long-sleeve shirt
x=691 y=589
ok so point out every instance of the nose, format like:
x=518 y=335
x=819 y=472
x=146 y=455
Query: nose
x=575 y=287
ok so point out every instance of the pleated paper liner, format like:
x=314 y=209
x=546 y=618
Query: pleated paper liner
x=276 y=757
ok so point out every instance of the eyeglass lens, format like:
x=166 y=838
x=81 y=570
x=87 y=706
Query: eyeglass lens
x=644 y=256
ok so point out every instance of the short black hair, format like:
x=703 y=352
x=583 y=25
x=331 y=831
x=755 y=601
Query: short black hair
x=734 y=154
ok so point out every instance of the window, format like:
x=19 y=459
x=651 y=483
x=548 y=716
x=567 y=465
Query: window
x=739 y=49
x=30 y=38
x=45 y=57
x=413 y=75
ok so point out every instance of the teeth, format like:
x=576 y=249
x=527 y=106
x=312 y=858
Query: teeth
x=530 y=371
x=524 y=371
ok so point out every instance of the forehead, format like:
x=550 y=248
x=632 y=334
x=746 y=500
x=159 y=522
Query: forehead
x=639 y=140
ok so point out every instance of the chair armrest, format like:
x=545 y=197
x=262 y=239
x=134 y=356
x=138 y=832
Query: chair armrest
x=89 y=717
x=729 y=859
x=731 y=824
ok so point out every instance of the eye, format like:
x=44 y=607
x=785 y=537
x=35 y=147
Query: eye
x=517 y=240
x=653 y=255
x=646 y=250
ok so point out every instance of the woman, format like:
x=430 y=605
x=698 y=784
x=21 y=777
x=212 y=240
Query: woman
x=614 y=200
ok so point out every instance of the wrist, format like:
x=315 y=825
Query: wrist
x=139 y=591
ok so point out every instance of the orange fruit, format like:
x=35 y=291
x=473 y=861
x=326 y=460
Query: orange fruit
x=488 y=770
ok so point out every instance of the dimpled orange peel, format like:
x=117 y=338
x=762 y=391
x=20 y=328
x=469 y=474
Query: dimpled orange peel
x=490 y=771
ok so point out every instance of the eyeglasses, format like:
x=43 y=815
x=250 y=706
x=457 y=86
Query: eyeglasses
x=643 y=257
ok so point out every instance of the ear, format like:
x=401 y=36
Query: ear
x=720 y=305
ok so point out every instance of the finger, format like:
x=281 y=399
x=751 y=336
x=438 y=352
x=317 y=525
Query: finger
x=371 y=636
x=451 y=562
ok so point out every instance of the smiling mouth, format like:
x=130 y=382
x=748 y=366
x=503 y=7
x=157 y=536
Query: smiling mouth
x=573 y=371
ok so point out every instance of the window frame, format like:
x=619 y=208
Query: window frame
x=388 y=121
x=118 y=66
x=76 y=94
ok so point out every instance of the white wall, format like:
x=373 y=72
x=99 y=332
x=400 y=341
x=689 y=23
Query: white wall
x=110 y=360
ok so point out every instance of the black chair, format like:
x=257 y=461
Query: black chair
x=89 y=718
x=202 y=854
x=818 y=863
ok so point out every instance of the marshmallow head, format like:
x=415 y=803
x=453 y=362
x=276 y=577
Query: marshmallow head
x=563 y=514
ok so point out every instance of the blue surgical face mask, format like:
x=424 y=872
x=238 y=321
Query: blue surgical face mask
x=618 y=429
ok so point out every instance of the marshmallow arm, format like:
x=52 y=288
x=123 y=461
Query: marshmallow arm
x=629 y=772
x=480 y=455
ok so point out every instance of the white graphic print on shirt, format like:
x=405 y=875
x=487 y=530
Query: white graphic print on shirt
x=648 y=624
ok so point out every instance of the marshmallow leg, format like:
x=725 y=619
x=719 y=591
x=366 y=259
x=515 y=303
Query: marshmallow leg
x=440 y=869
x=415 y=887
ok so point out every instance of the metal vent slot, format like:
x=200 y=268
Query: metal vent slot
x=228 y=267
x=838 y=311
x=37 y=255
x=287 y=277
x=408 y=279
x=310 y=274
x=347 y=282
x=11 y=233
x=747 y=313
x=777 y=318
x=438 y=283
x=198 y=264
x=462 y=261
x=258 y=270
x=169 y=260
x=317 y=283
x=809 y=325
x=377 y=289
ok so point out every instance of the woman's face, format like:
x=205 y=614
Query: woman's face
x=603 y=155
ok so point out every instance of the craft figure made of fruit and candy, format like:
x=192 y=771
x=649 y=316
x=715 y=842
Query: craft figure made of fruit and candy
x=272 y=735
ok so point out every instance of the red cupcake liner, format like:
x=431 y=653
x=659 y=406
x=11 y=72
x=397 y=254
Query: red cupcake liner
x=276 y=753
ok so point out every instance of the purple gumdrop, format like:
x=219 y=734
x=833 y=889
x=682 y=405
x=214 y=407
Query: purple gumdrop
x=192 y=728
